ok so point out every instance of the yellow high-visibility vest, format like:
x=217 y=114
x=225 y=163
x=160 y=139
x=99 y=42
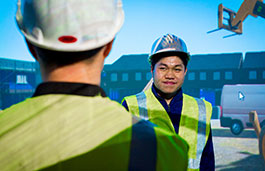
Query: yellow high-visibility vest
x=68 y=132
x=194 y=124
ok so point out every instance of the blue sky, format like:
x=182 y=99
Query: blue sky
x=146 y=20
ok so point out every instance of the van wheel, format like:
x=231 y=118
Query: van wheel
x=236 y=127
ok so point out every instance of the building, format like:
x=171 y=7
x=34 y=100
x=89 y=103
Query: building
x=253 y=69
x=128 y=75
x=208 y=73
x=17 y=81
x=206 y=76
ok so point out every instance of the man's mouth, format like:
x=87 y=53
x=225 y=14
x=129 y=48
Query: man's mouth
x=169 y=83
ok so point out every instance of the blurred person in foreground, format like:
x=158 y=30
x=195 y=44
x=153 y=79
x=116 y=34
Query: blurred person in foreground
x=69 y=123
x=167 y=106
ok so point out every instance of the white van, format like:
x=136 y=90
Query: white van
x=236 y=103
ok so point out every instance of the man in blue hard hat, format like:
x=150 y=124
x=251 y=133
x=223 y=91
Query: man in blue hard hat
x=69 y=123
x=167 y=106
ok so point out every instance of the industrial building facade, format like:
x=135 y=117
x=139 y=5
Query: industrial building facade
x=206 y=76
x=18 y=80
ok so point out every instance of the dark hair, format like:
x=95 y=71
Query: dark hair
x=59 y=59
x=185 y=57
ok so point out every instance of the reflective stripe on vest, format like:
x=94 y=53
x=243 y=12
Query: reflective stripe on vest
x=194 y=124
x=141 y=100
x=201 y=139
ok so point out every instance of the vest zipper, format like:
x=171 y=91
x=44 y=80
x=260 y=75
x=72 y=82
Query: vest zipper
x=168 y=108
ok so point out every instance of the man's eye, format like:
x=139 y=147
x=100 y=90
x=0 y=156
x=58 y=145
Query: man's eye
x=162 y=68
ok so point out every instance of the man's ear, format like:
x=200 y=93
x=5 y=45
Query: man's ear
x=185 y=71
x=152 y=69
x=108 y=48
x=32 y=50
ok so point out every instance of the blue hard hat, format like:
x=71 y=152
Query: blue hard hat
x=169 y=45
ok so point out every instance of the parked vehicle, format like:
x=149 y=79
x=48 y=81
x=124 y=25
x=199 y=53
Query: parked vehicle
x=236 y=103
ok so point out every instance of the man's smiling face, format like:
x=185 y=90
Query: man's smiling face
x=169 y=74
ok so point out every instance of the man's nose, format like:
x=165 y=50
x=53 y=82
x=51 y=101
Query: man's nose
x=169 y=74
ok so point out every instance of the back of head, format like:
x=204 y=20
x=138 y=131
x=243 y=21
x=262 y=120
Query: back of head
x=168 y=45
x=69 y=25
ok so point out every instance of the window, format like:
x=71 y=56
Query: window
x=202 y=75
x=228 y=75
x=191 y=76
x=125 y=77
x=252 y=75
x=114 y=94
x=103 y=74
x=148 y=76
x=114 y=77
x=22 y=79
x=216 y=76
x=138 y=76
x=263 y=75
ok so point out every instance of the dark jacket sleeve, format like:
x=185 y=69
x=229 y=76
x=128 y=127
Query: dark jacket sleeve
x=124 y=104
x=207 y=160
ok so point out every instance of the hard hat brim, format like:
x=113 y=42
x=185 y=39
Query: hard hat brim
x=169 y=53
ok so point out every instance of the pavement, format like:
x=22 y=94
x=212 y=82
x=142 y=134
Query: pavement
x=236 y=152
x=215 y=123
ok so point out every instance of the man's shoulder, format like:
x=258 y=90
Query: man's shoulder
x=146 y=92
x=188 y=97
x=66 y=103
x=131 y=97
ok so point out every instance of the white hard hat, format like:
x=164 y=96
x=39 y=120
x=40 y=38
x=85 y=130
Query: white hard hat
x=69 y=25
